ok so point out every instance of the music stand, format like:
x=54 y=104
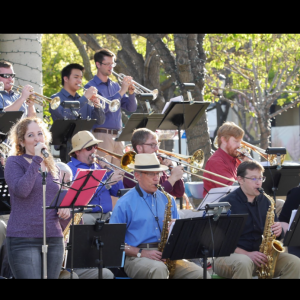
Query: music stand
x=62 y=132
x=291 y=238
x=182 y=113
x=139 y=121
x=100 y=247
x=4 y=198
x=279 y=182
x=192 y=238
x=8 y=119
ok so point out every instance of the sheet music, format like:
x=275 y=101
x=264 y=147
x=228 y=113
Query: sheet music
x=215 y=194
x=175 y=99
x=294 y=211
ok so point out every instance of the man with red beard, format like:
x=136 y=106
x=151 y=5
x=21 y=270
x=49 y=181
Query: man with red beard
x=224 y=161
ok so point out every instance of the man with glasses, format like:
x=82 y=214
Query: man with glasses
x=11 y=101
x=144 y=140
x=248 y=200
x=82 y=157
x=143 y=210
x=105 y=62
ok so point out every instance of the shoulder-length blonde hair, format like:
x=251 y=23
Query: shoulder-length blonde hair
x=17 y=135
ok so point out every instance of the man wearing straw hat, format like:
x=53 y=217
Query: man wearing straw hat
x=82 y=157
x=143 y=209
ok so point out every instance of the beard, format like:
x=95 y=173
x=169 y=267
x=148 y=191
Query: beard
x=232 y=151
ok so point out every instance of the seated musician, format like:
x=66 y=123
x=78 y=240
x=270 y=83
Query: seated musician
x=89 y=273
x=144 y=140
x=292 y=202
x=82 y=157
x=11 y=101
x=246 y=199
x=142 y=209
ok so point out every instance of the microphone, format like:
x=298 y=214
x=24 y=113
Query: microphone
x=44 y=152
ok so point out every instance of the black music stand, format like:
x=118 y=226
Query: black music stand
x=279 y=182
x=4 y=198
x=192 y=238
x=100 y=245
x=182 y=113
x=63 y=131
x=8 y=119
x=291 y=238
x=139 y=121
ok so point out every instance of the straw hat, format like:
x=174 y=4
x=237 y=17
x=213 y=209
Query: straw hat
x=83 y=139
x=147 y=162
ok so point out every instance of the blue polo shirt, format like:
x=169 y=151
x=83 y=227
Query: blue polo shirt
x=8 y=98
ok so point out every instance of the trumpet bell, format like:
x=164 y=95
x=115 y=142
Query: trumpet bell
x=114 y=105
x=197 y=161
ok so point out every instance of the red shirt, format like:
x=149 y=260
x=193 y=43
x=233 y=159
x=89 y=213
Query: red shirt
x=223 y=164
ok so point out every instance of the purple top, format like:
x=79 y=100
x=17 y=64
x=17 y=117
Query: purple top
x=26 y=197
x=110 y=91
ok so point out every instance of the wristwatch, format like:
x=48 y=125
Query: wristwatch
x=139 y=253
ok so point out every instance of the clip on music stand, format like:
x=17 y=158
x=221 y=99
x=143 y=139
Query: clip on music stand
x=291 y=238
x=79 y=194
x=139 y=121
x=192 y=238
x=8 y=119
x=5 y=198
x=62 y=132
x=100 y=245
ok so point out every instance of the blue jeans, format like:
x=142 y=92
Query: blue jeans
x=26 y=258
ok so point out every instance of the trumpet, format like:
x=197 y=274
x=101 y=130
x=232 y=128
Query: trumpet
x=113 y=105
x=36 y=98
x=138 y=88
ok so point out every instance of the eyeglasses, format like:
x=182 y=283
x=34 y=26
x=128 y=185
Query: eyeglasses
x=153 y=145
x=152 y=174
x=89 y=148
x=8 y=75
x=255 y=179
x=113 y=64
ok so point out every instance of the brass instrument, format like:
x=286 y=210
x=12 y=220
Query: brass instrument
x=113 y=105
x=269 y=246
x=171 y=264
x=138 y=88
x=36 y=98
x=4 y=149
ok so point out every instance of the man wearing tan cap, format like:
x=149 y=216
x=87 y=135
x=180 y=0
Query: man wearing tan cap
x=143 y=209
x=83 y=157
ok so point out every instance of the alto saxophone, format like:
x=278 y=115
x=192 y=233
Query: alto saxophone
x=269 y=246
x=165 y=231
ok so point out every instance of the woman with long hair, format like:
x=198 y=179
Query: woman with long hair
x=23 y=175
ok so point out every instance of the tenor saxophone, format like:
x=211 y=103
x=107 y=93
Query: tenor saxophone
x=165 y=231
x=269 y=246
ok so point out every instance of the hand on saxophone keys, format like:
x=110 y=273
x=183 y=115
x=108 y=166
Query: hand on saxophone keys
x=276 y=229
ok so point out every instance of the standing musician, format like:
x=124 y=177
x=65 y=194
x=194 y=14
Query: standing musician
x=144 y=140
x=82 y=156
x=29 y=138
x=246 y=258
x=292 y=202
x=143 y=209
x=105 y=62
x=11 y=101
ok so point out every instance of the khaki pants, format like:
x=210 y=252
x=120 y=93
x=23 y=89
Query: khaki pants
x=240 y=266
x=145 y=268
x=90 y=218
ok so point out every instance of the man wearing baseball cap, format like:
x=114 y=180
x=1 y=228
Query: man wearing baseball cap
x=143 y=209
x=83 y=155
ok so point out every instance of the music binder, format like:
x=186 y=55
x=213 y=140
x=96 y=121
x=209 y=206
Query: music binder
x=291 y=238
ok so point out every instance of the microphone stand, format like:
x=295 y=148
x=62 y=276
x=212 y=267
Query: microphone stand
x=45 y=246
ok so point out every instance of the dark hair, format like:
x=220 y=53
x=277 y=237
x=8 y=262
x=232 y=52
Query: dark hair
x=229 y=129
x=249 y=165
x=5 y=64
x=140 y=136
x=99 y=55
x=67 y=70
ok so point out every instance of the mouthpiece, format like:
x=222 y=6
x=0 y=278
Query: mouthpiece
x=261 y=190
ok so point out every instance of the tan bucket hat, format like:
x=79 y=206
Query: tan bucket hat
x=83 y=139
x=147 y=162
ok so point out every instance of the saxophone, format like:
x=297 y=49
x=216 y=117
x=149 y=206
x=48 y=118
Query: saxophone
x=269 y=246
x=165 y=231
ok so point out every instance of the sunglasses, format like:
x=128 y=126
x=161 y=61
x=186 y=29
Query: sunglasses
x=8 y=75
x=89 y=148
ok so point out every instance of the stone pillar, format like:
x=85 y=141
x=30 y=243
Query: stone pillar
x=24 y=51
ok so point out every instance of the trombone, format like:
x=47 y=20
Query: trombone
x=138 y=88
x=37 y=98
x=113 y=105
